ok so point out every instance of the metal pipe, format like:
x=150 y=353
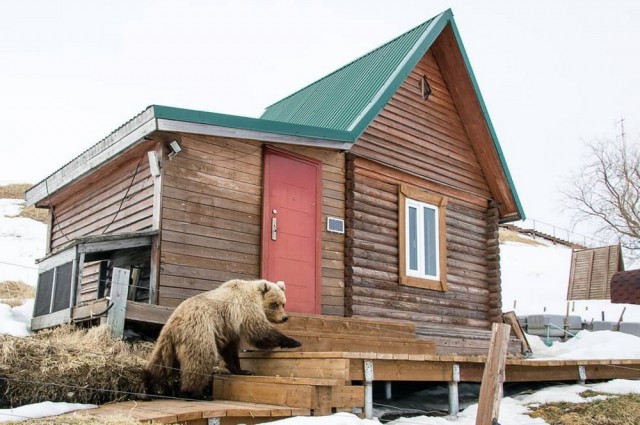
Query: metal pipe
x=368 y=389
x=454 y=399
x=387 y=390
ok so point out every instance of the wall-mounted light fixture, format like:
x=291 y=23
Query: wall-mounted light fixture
x=174 y=146
x=425 y=88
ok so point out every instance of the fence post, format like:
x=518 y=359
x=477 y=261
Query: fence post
x=493 y=376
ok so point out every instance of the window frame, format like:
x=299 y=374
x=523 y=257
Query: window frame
x=406 y=196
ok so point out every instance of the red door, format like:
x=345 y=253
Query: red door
x=291 y=241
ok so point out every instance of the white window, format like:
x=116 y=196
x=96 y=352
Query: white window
x=422 y=252
x=422 y=239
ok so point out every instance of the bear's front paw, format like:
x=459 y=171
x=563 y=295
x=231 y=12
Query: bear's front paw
x=221 y=370
x=289 y=343
x=245 y=372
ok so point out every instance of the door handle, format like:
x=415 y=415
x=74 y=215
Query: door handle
x=274 y=229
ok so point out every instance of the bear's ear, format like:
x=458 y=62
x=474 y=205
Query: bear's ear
x=280 y=284
x=263 y=287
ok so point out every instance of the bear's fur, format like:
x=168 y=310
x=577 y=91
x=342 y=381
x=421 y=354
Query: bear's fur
x=208 y=327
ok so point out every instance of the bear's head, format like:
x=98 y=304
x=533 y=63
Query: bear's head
x=273 y=301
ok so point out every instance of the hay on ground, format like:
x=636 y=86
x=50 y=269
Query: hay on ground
x=39 y=214
x=14 y=191
x=614 y=410
x=16 y=289
x=71 y=365
x=81 y=419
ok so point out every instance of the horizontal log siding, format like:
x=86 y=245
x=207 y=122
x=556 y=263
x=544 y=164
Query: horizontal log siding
x=117 y=199
x=372 y=253
x=424 y=138
x=211 y=218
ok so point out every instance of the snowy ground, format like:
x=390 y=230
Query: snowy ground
x=535 y=280
x=534 y=276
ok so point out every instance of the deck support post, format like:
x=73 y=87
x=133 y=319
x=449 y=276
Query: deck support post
x=119 y=291
x=583 y=375
x=388 y=394
x=368 y=389
x=454 y=400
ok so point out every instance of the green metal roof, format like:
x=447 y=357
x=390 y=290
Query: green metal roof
x=342 y=99
x=349 y=99
x=248 y=123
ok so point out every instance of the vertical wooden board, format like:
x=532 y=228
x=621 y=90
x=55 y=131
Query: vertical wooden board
x=494 y=376
x=119 y=291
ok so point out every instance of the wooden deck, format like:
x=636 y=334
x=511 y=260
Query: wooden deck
x=342 y=359
x=196 y=412
x=322 y=383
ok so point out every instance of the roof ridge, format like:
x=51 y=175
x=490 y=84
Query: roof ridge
x=425 y=23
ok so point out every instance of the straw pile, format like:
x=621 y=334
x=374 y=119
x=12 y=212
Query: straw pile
x=67 y=364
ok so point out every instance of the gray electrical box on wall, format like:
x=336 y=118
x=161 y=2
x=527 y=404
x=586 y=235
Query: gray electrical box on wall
x=335 y=225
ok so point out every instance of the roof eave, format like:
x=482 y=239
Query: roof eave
x=164 y=118
x=404 y=68
x=118 y=142
x=505 y=168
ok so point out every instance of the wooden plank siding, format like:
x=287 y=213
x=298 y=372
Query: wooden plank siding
x=212 y=215
x=117 y=199
x=423 y=144
x=425 y=138
x=372 y=254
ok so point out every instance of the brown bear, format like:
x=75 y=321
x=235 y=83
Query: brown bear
x=208 y=327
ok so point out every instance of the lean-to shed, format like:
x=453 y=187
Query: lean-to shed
x=375 y=191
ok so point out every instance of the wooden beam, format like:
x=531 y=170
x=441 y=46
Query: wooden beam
x=493 y=377
x=119 y=291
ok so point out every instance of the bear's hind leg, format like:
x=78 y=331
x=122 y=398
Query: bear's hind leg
x=197 y=366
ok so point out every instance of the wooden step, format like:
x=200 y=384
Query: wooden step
x=320 y=395
x=361 y=343
x=297 y=364
x=333 y=325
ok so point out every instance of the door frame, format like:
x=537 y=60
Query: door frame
x=266 y=222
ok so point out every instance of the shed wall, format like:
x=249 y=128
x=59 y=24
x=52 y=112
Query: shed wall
x=212 y=215
x=424 y=144
x=372 y=254
x=116 y=199
x=425 y=138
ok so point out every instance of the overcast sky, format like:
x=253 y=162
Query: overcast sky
x=554 y=74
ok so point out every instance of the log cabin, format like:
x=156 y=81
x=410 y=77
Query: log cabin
x=374 y=192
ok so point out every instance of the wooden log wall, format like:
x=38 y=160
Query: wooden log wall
x=212 y=212
x=372 y=254
x=425 y=144
x=425 y=138
x=116 y=199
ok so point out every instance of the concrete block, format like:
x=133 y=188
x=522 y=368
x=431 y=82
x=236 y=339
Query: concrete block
x=537 y=324
x=632 y=328
x=604 y=326
x=574 y=323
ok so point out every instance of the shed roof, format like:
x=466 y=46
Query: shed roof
x=625 y=287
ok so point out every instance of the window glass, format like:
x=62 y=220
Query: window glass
x=431 y=246
x=413 y=238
